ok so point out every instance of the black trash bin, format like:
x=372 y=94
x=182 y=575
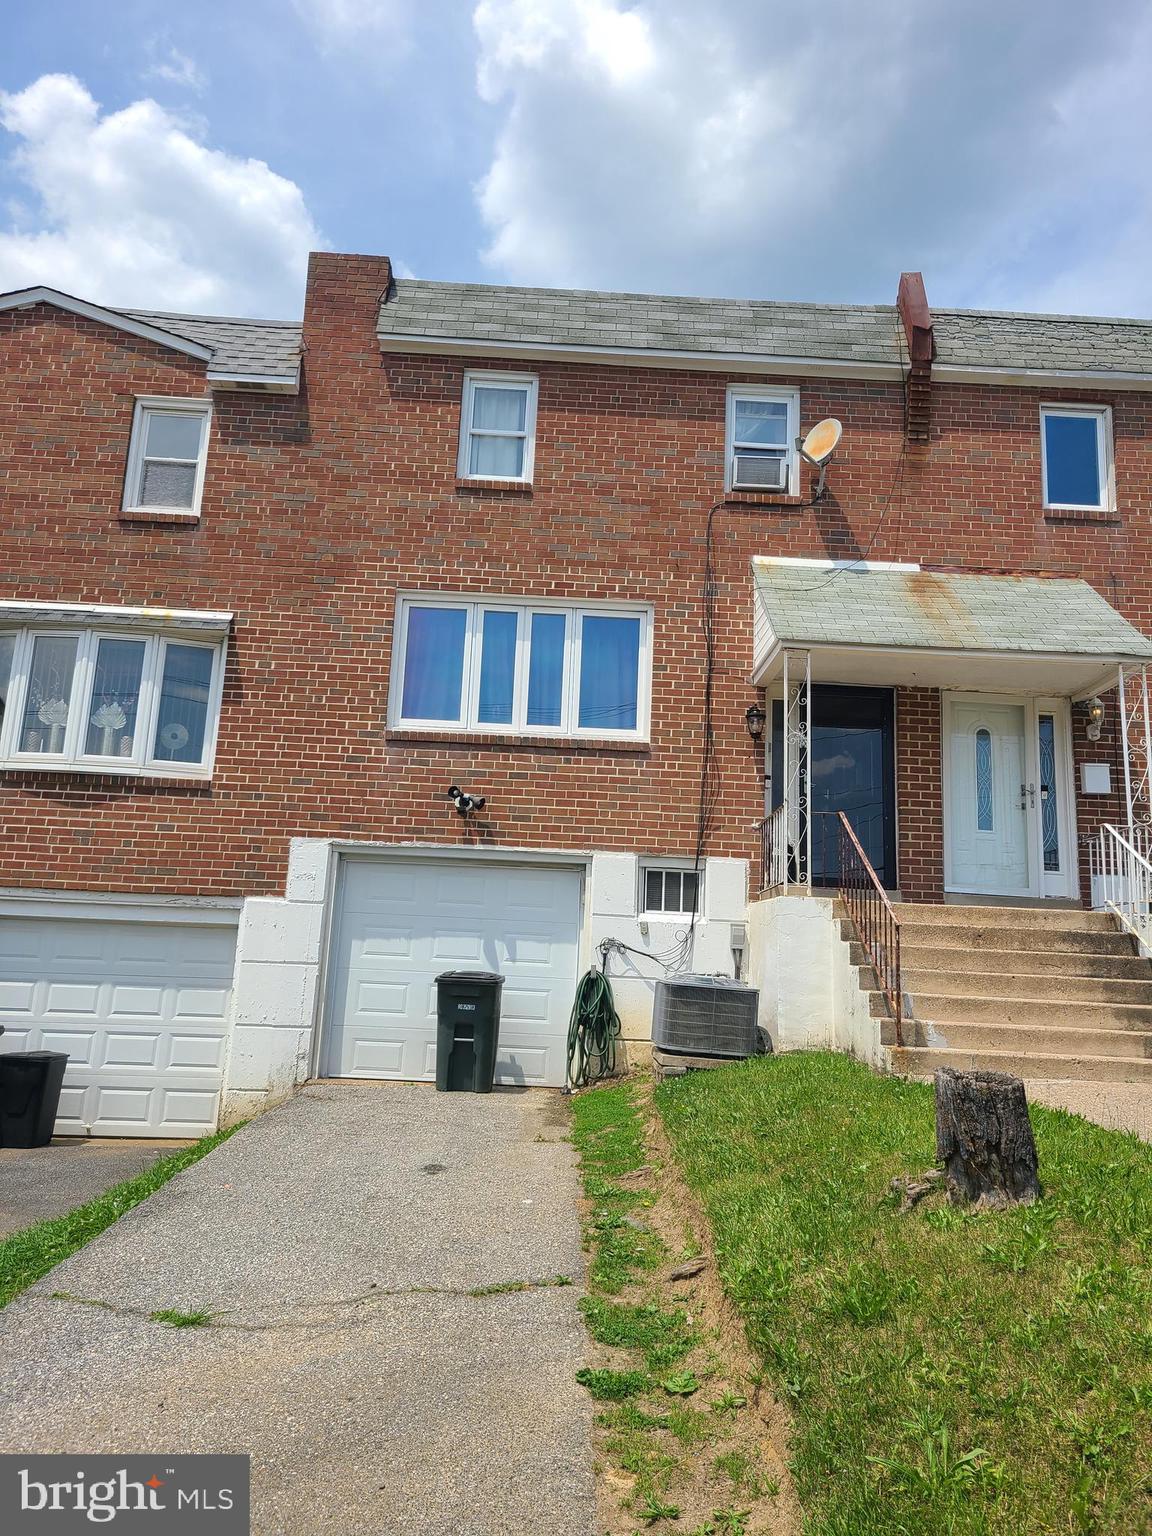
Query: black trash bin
x=30 y=1084
x=467 y=1030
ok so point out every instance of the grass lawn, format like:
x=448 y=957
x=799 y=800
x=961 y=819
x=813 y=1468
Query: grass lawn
x=946 y=1372
x=27 y=1255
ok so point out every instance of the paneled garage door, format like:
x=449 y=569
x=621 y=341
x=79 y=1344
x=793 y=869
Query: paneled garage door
x=401 y=922
x=141 y=1009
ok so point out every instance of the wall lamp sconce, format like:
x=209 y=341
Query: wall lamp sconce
x=755 y=719
x=1095 y=708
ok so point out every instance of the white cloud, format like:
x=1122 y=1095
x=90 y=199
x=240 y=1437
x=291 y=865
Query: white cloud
x=345 y=24
x=131 y=209
x=176 y=68
x=769 y=147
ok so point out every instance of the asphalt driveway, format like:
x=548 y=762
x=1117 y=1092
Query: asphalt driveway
x=359 y=1249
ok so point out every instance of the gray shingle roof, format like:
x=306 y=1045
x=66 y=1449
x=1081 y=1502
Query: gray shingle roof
x=814 y=605
x=636 y=321
x=757 y=329
x=238 y=346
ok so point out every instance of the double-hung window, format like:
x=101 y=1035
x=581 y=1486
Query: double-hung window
x=167 y=456
x=531 y=668
x=497 y=427
x=109 y=701
x=1076 y=456
x=760 y=452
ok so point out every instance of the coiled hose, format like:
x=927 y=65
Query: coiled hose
x=593 y=1031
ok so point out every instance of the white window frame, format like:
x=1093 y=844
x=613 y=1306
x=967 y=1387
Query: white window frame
x=474 y=607
x=477 y=380
x=72 y=758
x=157 y=405
x=788 y=397
x=1102 y=414
x=669 y=867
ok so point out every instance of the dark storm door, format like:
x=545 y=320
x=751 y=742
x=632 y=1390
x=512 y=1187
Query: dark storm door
x=852 y=769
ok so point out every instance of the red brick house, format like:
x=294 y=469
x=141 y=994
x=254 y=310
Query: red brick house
x=270 y=589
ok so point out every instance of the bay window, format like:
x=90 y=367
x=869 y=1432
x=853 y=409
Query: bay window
x=533 y=668
x=106 y=701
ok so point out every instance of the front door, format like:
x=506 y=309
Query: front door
x=1007 y=811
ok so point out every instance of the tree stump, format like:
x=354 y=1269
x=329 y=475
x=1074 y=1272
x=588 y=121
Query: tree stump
x=984 y=1139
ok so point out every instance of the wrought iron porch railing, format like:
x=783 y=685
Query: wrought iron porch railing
x=874 y=918
x=1120 y=864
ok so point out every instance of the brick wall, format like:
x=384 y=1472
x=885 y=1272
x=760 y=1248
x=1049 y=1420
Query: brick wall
x=317 y=510
x=919 y=794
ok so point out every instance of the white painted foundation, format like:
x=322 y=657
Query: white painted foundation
x=810 y=996
x=277 y=1000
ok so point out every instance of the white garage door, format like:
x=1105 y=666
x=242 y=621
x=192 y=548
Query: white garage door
x=401 y=922
x=141 y=1008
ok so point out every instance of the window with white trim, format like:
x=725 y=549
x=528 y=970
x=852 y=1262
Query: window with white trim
x=108 y=700
x=497 y=427
x=668 y=891
x=1076 y=457
x=760 y=439
x=533 y=668
x=167 y=455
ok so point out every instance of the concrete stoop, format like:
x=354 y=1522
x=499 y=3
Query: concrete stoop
x=1042 y=994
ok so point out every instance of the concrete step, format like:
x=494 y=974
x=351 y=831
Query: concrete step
x=1031 y=1038
x=1038 y=919
x=1093 y=941
x=1018 y=962
x=922 y=1061
x=1025 y=1010
x=959 y=981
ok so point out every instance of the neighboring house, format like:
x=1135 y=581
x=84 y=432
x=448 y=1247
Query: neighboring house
x=270 y=589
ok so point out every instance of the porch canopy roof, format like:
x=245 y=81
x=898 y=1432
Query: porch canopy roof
x=897 y=624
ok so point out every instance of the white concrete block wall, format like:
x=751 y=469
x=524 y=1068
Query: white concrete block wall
x=275 y=1000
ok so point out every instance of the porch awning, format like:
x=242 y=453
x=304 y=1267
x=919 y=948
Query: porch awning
x=901 y=625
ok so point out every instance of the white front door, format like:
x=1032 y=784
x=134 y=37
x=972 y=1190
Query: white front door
x=1008 y=813
x=403 y=921
x=987 y=815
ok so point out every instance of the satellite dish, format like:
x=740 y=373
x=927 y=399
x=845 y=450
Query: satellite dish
x=818 y=447
x=820 y=444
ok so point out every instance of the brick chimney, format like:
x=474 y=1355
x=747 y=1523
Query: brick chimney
x=916 y=317
x=341 y=302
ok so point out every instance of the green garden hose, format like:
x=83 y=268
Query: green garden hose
x=593 y=1031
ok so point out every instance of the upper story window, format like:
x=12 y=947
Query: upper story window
x=1076 y=455
x=109 y=701
x=533 y=668
x=167 y=456
x=760 y=451
x=497 y=426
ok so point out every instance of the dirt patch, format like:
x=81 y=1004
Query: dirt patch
x=720 y=1460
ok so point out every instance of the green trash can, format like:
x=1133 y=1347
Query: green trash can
x=467 y=1030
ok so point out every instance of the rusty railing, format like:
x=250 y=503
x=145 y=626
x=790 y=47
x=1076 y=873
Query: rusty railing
x=874 y=918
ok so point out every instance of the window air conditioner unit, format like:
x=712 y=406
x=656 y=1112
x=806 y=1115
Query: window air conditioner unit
x=705 y=1016
x=759 y=472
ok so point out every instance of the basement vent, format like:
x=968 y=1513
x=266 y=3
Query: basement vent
x=705 y=1016
x=759 y=472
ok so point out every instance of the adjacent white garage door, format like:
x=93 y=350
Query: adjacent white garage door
x=401 y=922
x=141 y=1009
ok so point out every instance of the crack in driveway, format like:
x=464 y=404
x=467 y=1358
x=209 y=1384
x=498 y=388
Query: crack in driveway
x=321 y=1314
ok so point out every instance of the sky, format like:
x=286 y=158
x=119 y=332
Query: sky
x=189 y=157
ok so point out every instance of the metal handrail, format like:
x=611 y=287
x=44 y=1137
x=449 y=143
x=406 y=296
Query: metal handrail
x=1121 y=877
x=874 y=918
